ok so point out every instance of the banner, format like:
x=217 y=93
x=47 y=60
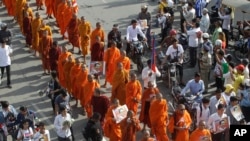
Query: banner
x=143 y=24
x=221 y=125
x=97 y=67
x=120 y=113
x=236 y=112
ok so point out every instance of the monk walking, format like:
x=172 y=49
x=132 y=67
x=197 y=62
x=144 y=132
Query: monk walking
x=44 y=26
x=179 y=124
x=133 y=93
x=20 y=4
x=61 y=61
x=98 y=31
x=66 y=71
x=73 y=32
x=201 y=133
x=49 y=8
x=147 y=96
x=39 y=4
x=27 y=30
x=120 y=79
x=158 y=113
x=36 y=23
x=97 y=50
x=87 y=92
x=59 y=16
x=45 y=45
x=112 y=130
x=54 y=54
x=129 y=126
x=72 y=76
x=84 y=31
x=124 y=60
x=111 y=54
x=67 y=14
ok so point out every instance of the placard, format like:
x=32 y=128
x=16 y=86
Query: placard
x=120 y=113
x=143 y=24
x=221 y=125
x=236 y=112
x=97 y=67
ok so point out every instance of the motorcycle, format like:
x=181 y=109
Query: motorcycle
x=136 y=54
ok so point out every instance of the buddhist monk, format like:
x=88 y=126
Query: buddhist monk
x=81 y=80
x=45 y=45
x=66 y=71
x=49 y=8
x=97 y=50
x=179 y=124
x=18 y=9
x=54 y=54
x=55 y=5
x=84 y=31
x=36 y=23
x=129 y=126
x=133 y=93
x=73 y=32
x=75 y=6
x=61 y=61
x=11 y=7
x=98 y=31
x=74 y=70
x=44 y=26
x=39 y=4
x=147 y=96
x=100 y=103
x=87 y=93
x=59 y=16
x=25 y=9
x=146 y=136
x=111 y=54
x=112 y=130
x=158 y=113
x=124 y=60
x=120 y=79
x=201 y=133
x=27 y=30
x=67 y=14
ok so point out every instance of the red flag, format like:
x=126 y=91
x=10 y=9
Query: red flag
x=153 y=60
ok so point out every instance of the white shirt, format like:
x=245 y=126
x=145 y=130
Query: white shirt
x=204 y=23
x=58 y=123
x=132 y=33
x=202 y=116
x=151 y=78
x=5 y=56
x=26 y=134
x=246 y=72
x=190 y=15
x=162 y=20
x=11 y=109
x=39 y=136
x=213 y=118
x=193 y=39
x=226 y=21
x=173 y=52
x=227 y=97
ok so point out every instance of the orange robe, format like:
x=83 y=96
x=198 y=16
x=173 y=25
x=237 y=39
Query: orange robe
x=73 y=32
x=10 y=5
x=110 y=55
x=66 y=71
x=125 y=62
x=67 y=16
x=36 y=23
x=158 y=113
x=55 y=5
x=119 y=81
x=133 y=91
x=49 y=7
x=19 y=11
x=73 y=74
x=45 y=45
x=181 y=120
x=81 y=80
x=41 y=31
x=199 y=135
x=61 y=61
x=95 y=33
x=30 y=13
x=129 y=129
x=111 y=129
x=148 y=139
x=59 y=15
x=87 y=93
x=145 y=105
x=84 y=31
x=39 y=2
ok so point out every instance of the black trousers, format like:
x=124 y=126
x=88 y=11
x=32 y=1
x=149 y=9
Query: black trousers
x=226 y=32
x=219 y=83
x=7 y=72
x=218 y=137
x=246 y=113
x=193 y=56
x=180 y=67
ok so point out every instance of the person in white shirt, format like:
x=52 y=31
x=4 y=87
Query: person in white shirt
x=229 y=91
x=189 y=13
x=25 y=132
x=193 y=40
x=214 y=100
x=132 y=34
x=205 y=21
x=62 y=125
x=220 y=117
x=42 y=134
x=225 y=15
x=7 y=108
x=245 y=62
x=149 y=75
x=203 y=111
x=175 y=54
x=5 y=61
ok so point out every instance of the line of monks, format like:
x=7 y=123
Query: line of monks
x=80 y=83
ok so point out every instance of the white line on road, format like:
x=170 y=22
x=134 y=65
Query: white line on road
x=104 y=1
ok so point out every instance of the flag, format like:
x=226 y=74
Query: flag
x=153 y=60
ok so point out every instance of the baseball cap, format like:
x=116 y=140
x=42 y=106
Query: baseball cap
x=229 y=87
x=240 y=67
x=205 y=35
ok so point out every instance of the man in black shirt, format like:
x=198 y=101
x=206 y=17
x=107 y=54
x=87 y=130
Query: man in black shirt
x=5 y=34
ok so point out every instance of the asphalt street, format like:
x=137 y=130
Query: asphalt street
x=26 y=70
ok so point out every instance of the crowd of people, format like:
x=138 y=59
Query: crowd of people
x=70 y=76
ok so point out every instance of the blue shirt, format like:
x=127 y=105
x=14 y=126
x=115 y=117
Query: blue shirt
x=20 y=117
x=194 y=88
x=245 y=101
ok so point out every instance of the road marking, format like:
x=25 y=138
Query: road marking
x=104 y=1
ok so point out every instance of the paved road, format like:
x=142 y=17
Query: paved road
x=27 y=72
